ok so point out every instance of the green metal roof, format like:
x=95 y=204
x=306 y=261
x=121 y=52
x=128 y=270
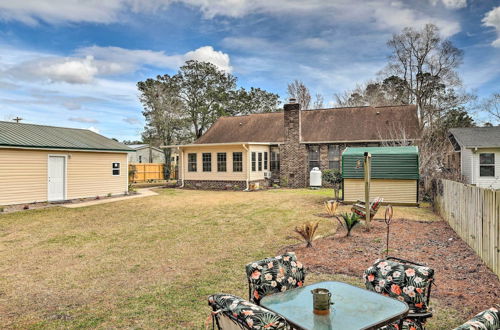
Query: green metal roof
x=387 y=162
x=410 y=150
x=51 y=137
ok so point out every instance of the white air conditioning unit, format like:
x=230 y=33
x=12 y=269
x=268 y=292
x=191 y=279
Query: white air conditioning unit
x=267 y=175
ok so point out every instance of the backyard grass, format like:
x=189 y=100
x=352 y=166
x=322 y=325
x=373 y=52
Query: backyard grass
x=150 y=262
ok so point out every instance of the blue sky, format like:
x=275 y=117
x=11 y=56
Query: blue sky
x=75 y=63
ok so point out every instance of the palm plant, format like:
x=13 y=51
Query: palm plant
x=307 y=232
x=331 y=207
x=349 y=221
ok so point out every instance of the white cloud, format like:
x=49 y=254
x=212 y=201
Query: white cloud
x=492 y=19
x=94 y=129
x=83 y=120
x=92 y=62
x=386 y=14
x=132 y=120
x=451 y=4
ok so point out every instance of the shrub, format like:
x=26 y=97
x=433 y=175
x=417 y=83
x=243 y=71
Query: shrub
x=110 y=194
x=1 y=209
x=307 y=232
x=333 y=177
x=26 y=207
x=349 y=221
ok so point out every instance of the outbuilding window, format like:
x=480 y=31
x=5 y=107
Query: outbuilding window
x=487 y=164
x=192 y=163
x=116 y=169
x=207 y=161
x=221 y=162
x=254 y=161
x=237 y=162
x=313 y=157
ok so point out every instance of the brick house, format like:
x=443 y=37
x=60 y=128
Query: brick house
x=241 y=152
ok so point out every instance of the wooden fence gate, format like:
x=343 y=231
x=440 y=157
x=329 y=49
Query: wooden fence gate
x=474 y=215
x=145 y=172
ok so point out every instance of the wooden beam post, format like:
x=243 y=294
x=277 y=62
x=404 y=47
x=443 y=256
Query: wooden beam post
x=367 y=168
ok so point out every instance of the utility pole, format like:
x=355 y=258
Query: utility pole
x=17 y=119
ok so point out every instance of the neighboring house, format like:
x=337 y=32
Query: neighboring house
x=478 y=155
x=145 y=153
x=45 y=163
x=282 y=147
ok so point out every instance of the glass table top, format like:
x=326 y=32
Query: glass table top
x=353 y=308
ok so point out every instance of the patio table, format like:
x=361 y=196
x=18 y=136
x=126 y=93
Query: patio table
x=353 y=308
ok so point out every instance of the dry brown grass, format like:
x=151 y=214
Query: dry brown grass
x=145 y=263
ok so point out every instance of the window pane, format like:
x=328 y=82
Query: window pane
x=221 y=161
x=260 y=161
x=275 y=159
x=334 y=165
x=333 y=152
x=265 y=160
x=207 y=162
x=254 y=161
x=313 y=157
x=487 y=159
x=487 y=170
x=237 y=162
x=191 y=162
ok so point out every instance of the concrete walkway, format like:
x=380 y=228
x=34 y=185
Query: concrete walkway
x=140 y=193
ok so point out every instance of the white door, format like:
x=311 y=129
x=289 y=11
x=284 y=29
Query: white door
x=56 y=178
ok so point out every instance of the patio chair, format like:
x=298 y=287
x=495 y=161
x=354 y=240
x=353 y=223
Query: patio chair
x=406 y=281
x=234 y=313
x=486 y=320
x=272 y=275
x=360 y=209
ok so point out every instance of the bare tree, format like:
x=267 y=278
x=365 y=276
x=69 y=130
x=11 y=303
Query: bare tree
x=300 y=92
x=318 y=101
x=492 y=107
x=425 y=63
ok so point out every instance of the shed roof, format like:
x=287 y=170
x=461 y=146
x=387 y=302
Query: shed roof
x=387 y=163
x=52 y=137
x=481 y=137
x=406 y=150
x=321 y=125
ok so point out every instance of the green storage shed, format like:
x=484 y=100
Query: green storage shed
x=394 y=174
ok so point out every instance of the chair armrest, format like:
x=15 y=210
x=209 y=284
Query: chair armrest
x=423 y=315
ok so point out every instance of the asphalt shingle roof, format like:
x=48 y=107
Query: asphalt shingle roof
x=51 y=137
x=322 y=125
x=481 y=137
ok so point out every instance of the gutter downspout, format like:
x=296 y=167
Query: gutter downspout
x=181 y=158
x=248 y=167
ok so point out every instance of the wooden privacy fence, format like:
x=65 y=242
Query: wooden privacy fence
x=474 y=215
x=144 y=172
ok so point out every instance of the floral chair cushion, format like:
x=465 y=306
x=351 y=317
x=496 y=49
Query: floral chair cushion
x=273 y=275
x=407 y=325
x=246 y=313
x=487 y=320
x=408 y=283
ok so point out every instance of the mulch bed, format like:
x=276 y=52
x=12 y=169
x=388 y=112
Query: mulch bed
x=463 y=280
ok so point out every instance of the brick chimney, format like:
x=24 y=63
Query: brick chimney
x=293 y=154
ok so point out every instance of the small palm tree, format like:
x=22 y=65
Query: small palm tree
x=331 y=207
x=307 y=232
x=349 y=221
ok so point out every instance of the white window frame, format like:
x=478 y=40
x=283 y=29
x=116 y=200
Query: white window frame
x=492 y=165
x=119 y=168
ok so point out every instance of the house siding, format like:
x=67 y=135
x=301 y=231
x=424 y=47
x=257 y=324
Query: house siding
x=144 y=155
x=466 y=165
x=486 y=182
x=23 y=174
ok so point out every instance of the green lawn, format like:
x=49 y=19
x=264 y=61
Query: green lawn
x=145 y=263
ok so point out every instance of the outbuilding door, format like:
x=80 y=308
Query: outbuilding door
x=57 y=178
